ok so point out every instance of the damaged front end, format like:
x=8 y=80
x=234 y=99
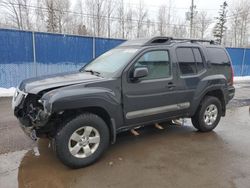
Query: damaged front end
x=29 y=110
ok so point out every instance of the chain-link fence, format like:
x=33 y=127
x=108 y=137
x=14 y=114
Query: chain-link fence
x=241 y=60
x=25 y=54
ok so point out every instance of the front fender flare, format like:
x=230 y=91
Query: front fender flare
x=70 y=99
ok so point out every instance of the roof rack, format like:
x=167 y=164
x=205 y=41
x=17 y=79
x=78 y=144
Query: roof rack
x=195 y=40
x=167 y=40
x=163 y=41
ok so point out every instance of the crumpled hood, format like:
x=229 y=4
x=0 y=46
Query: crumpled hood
x=37 y=84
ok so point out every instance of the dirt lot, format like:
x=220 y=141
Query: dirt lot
x=177 y=156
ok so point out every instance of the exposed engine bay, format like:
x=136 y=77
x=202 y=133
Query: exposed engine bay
x=30 y=101
x=30 y=112
x=33 y=111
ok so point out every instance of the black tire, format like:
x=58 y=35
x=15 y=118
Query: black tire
x=198 y=119
x=63 y=136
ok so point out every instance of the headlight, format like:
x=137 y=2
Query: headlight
x=15 y=94
x=17 y=98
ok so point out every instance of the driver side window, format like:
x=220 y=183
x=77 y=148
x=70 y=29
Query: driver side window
x=157 y=62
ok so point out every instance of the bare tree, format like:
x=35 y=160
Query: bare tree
x=90 y=19
x=180 y=30
x=141 y=16
x=18 y=12
x=170 y=16
x=14 y=7
x=162 y=20
x=121 y=18
x=235 y=24
x=203 y=22
x=239 y=22
x=62 y=12
x=99 y=16
x=40 y=16
x=52 y=19
x=110 y=8
x=95 y=10
x=244 y=22
x=78 y=21
x=113 y=18
x=26 y=14
x=129 y=23
x=56 y=14
x=151 y=29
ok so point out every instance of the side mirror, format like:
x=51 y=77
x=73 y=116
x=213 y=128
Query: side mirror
x=140 y=72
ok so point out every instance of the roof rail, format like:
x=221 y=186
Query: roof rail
x=195 y=40
x=167 y=40
x=162 y=41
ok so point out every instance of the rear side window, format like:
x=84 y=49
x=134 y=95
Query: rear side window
x=217 y=55
x=190 y=60
x=198 y=59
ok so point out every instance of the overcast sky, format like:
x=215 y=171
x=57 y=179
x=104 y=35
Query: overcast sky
x=182 y=6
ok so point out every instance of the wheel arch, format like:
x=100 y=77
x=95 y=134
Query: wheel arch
x=97 y=110
x=216 y=92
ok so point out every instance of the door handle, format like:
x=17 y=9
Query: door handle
x=171 y=85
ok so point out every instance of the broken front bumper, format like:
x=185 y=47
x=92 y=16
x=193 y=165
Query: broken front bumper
x=29 y=131
x=18 y=97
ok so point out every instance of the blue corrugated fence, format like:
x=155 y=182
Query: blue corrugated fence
x=241 y=60
x=25 y=54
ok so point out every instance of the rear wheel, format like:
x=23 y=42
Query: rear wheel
x=82 y=140
x=208 y=114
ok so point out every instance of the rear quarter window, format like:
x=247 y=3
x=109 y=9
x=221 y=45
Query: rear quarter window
x=217 y=56
x=221 y=62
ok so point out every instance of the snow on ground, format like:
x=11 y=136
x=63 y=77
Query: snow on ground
x=241 y=78
x=7 y=92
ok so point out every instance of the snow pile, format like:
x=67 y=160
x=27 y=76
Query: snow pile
x=7 y=92
x=242 y=78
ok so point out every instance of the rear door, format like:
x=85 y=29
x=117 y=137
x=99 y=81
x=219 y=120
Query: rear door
x=191 y=69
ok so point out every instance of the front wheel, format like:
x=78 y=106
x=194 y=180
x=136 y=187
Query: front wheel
x=208 y=114
x=82 y=140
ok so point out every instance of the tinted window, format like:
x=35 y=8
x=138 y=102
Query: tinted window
x=217 y=55
x=157 y=62
x=198 y=59
x=185 y=55
x=186 y=61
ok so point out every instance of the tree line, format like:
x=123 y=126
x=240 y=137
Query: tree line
x=119 y=19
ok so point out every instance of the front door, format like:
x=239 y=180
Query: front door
x=152 y=97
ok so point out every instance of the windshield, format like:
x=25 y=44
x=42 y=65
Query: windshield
x=110 y=62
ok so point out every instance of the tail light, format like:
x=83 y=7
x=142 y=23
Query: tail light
x=231 y=81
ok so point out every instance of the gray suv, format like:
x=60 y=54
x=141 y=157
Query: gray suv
x=138 y=83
